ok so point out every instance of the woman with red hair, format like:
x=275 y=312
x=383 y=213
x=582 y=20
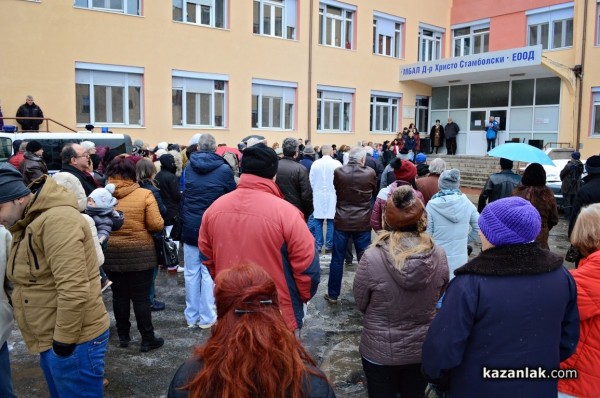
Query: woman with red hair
x=251 y=352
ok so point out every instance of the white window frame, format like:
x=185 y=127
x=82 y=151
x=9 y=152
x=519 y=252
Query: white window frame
x=548 y=16
x=477 y=29
x=430 y=37
x=124 y=9
x=595 y=108
x=346 y=20
x=381 y=100
x=201 y=84
x=123 y=77
x=329 y=97
x=199 y=4
x=272 y=90
x=288 y=18
x=387 y=29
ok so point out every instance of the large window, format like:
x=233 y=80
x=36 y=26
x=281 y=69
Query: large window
x=108 y=94
x=334 y=108
x=387 y=35
x=384 y=112
x=471 y=40
x=596 y=111
x=275 y=18
x=198 y=99
x=273 y=104
x=132 y=7
x=201 y=12
x=336 y=24
x=430 y=43
x=551 y=28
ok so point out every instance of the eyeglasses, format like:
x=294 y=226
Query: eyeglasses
x=82 y=156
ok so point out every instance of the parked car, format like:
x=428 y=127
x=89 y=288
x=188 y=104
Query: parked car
x=553 y=179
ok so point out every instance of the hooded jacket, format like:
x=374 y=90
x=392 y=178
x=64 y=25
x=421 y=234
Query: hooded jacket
x=207 y=177
x=381 y=200
x=32 y=167
x=452 y=223
x=255 y=224
x=54 y=269
x=585 y=359
x=168 y=184
x=131 y=248
x=398 y=304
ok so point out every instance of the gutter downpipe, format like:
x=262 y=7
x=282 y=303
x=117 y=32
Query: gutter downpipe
x=579 y=77
x=310 y=51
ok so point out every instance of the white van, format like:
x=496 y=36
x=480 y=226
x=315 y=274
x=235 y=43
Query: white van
x=54 y=142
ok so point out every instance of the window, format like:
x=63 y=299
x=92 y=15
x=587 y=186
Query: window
x=275 y=18
x=430 y=43
x=384 y=112
x=334 y=108
x=387 y=35
x=596 y=111
x=132 y=7
x=273 y=104
x=108 y=94
x=336 y=24
x=552 y=27
x=471 y=40
x=201 y=12
x=198 y=99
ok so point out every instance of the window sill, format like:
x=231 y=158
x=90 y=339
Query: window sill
x=199 y=25
x=199 y=128
x=557 y=49
x=106 y=11
x=99 y=126
x=334 y=132
x=383 y=132
x=337 y=48
x=270 y=129
x=388 y=57
x=275 y=37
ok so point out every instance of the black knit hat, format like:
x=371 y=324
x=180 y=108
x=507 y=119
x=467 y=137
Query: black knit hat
x=11 y=183
x=592 y=165
x=260 y=160
x=534 y=175
x=33 y=146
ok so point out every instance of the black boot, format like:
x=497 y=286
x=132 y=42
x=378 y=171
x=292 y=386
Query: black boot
x=124 y=341
x=148 y=345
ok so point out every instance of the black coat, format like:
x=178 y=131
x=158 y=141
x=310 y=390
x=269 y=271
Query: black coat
x=168 y=184
x=27 y=110
x=588 y=193
x=292 y=179
x=86 y=180
x=498 y=186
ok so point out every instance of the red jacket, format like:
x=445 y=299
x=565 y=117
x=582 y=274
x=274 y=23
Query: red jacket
x=587 y=356
x=16 y=159
x=255 y=224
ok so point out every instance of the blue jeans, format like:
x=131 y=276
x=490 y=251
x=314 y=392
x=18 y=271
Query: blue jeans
x=6 y=388
x=80 y=374
x=316 y=227
x=199 y=298
x=361 y=239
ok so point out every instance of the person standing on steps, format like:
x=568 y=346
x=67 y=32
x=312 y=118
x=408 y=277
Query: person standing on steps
x=491 y=132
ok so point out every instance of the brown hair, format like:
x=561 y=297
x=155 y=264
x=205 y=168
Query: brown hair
x=251 y=352
x=586 y=232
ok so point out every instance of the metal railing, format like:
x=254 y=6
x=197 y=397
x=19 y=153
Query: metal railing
x=45 y=120
x=558 y=145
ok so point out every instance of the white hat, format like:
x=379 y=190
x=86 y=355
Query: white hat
x=163 y=145
x=87 y=145
x=103 y=196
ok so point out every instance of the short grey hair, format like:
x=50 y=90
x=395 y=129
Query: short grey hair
x=356 y=154
x=207 y=143
x=437 y=166
x=326 y=149
x=253 y=141
x=289 y=146
x=30 y=97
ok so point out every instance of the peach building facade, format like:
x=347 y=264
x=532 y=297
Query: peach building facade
x=325 y=70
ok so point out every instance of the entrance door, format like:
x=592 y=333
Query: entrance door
x=478 y=120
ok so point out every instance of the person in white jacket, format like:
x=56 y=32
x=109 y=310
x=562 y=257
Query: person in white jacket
x=324 y=197
x=6 y=318
x=452 y=219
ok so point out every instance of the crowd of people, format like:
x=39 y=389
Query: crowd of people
x=434 y=320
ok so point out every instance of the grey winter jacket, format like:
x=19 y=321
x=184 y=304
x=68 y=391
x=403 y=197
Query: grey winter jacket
x=398 y=305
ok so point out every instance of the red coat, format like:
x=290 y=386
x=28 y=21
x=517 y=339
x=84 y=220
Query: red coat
x=587 y=357
x=254 y=224
x=17 y=159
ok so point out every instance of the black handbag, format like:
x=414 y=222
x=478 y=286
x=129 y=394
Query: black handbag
x=166 y=250
x=177 y=227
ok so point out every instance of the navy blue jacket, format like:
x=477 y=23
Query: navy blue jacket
x=207 y=177
x=147 y=184
x=511 y=307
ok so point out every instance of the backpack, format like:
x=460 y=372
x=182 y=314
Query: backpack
x=234 y=163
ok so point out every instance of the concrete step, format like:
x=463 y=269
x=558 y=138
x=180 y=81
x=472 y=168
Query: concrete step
x=474 y=170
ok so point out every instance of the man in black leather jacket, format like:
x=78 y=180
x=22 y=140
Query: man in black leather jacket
x=499 y=185
x=292 y=178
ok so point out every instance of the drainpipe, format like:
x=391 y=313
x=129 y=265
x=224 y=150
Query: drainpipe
x=579 y=76
x=310 y=51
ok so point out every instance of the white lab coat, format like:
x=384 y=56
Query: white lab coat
x=321 y=181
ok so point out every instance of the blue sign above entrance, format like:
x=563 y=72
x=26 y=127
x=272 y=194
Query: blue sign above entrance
x=505 y=59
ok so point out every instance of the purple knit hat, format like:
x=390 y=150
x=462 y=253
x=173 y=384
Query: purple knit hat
x=510 y=221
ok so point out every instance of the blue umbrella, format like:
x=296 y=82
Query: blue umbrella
x=520 y=152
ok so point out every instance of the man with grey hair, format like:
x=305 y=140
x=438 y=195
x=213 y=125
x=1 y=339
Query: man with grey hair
x=29 y=110
x=428 y=186
x=207 y=178
x=292 y=179
x=324 y=198
x=355 y=185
